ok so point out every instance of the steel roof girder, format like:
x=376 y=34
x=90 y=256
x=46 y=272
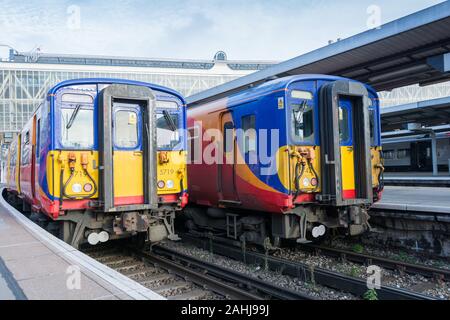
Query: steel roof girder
x=440 y=63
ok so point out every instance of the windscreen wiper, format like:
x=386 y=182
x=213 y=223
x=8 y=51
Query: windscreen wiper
x=301 y=110
x=73 y=116
x=169 y=120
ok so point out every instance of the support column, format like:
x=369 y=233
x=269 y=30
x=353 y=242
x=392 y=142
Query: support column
x=434 y=153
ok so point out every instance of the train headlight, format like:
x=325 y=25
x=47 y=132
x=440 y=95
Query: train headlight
x=314 y=182
x=305 y=182
x=76 y=188
x=87 y=187
x=170 y=184
x=161 y=184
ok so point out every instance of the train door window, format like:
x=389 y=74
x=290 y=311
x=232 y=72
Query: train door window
x=249 y=128
x=302 y=122
x=388 y=154
x=13 y=153
x=344 y=125
x=24 y=150
x=228 y=137
x=372 y=126
x=126 y=129
x=38 y=137
x=403 y=153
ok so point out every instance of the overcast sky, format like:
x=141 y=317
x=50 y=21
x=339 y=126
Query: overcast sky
x=192 y=29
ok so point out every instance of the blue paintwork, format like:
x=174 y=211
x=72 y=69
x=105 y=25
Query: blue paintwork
x=118 y=81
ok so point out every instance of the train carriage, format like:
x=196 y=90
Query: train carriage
x=102 y=159
x=319 y=167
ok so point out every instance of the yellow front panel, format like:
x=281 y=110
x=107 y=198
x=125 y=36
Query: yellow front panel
x=171 y=170
x=376 y=163
x=348 y=168
x=128 y=174
x=286 y=169
x=58 y=159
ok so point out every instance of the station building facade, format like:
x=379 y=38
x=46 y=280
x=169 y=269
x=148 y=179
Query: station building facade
x=25 y=79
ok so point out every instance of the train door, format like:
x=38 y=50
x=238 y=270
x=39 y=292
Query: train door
x=345 y=144
x=346 y=147
x=414 y=156
x=37 y=156
x=127 y=148
x=18 y=163
x=424 y=159
x=33 y=158
x=227 y=169
x=127 y=153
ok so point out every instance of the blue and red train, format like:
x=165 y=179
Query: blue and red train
x=320 y=169
x=102 y=159
x=291 y=158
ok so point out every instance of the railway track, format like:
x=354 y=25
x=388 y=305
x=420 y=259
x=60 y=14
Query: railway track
x=180 y=277
x=391 y=264
x=304 y=272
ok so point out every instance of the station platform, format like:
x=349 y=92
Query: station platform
x=415 y=199
x=424 y=179
x=36 y=265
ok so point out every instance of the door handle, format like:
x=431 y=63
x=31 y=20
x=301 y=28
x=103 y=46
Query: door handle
x=328 y=161
x=137 y=153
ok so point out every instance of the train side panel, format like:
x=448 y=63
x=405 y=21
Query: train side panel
x=203 y=191
x=27 y=161
x=324 y=173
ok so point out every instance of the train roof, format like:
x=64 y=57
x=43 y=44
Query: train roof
x=113 y=80
x=280 y=84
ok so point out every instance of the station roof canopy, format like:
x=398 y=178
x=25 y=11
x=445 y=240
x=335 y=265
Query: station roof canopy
x=413 y=49
x=74 y=59
x=428 y=113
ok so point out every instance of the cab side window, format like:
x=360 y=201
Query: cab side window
x=302 y=116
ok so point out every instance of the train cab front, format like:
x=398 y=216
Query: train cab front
x=171 y=157
x=335 y=163
x=172 y=154
x=120 y=168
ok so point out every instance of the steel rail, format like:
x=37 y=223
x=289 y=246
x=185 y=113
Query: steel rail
x=263 y=288
x=426 y=271
x=158 y=257
x=328 y=278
